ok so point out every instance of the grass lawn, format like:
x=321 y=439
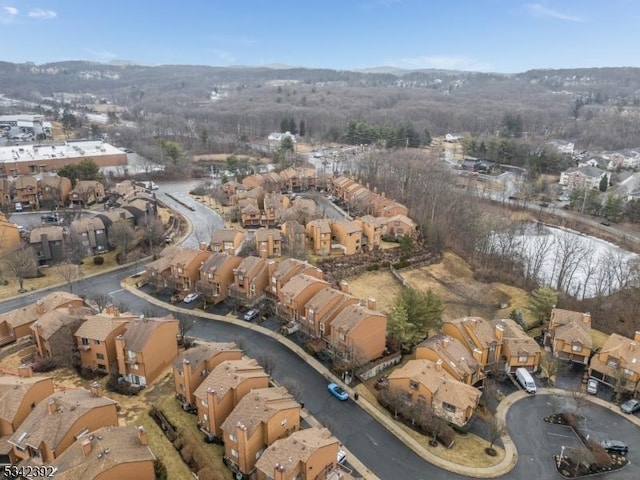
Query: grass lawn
x=379 y=285
x=467 y=450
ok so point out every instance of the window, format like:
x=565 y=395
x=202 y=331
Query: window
x=131 y=355
x=85 y=341
x=96 y=342
x=259 y=453
x=413 y=385
x=628 y=372
x=102 y=366
x=134 y=366
x=283 y=422
x=180 y=270
x=576 y=348
x=322 y=327
x=205 y=417
x=210 y=275
x=448 y=407
x=523 y=358
x=232 y=437
x=341 y=337
x=612 y=362
x=234 y=453
x=99 y=356
x=204 y=403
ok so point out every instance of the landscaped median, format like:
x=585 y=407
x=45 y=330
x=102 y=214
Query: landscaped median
x=502 y=468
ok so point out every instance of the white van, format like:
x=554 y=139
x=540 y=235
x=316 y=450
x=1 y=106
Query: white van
x=526 y=380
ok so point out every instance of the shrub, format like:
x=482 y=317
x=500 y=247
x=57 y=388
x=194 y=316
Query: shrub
x=601 y=459
x=98 y=260
x=124 y=388
x=187 y=453
x=160 y=470
x=447 y=436
x=44 y=365
x=206 y=473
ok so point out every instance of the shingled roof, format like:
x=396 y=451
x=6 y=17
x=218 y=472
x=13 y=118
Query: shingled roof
x=12 y=393
x=203 y=352
x=228 y=375
x=141 y=330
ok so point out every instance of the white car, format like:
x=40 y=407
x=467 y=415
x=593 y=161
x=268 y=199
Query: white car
x=592 y=386
x=191 y=297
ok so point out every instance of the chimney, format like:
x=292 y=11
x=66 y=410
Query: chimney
x=371 y=303
x=279 y=472
x=51 y=406
x=632 y=346
x=141 y=434
x=499 y=332
x=204 y=246
x=586 y=318
x=25 y=371
x=40 y=307
x=439 y=365
x=112 y=310
x=445 y=342
x=86 y=446
x=636 y=336
x=344 y=286
x=96 y=389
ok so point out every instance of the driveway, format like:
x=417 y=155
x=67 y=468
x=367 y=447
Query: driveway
x=538 y=441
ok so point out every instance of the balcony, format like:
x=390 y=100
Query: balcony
x=130 y=361
x=84 y=348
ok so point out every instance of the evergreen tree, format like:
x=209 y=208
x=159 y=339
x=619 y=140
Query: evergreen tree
x=604 y=183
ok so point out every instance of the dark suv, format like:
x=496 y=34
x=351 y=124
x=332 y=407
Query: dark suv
x=615 y=446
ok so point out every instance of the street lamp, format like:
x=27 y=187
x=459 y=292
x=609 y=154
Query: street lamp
x=561 y=456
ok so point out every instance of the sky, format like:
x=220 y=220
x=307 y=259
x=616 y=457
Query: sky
x=503 y=36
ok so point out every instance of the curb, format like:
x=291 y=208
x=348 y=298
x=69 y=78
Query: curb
x=498 y=470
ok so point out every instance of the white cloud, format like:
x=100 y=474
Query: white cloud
x=8 y=14
x=42 y=13
x=540 y=11
x=445 y=62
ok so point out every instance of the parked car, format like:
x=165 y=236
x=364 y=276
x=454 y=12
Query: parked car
x=191 y=297
x=252 y=314
x=592 y=386
x=18 y=207
x=615 y=446
x=630 y=406
x=337 y=392
x=50 y=218
x=342 y=456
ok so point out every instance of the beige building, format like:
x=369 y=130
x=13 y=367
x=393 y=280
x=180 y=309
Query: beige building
x=482 y=340
x=108 y=453
x=192 y=366
x=322 y=308
x=397 y=226
x=358 y=333
x=259 y=419
x=250 y=280
x=222 y=390
x=305 y=454
x=456 y=359
x=319 y=235
x=617 y=364
x=216 y=276
x=296 y=293
x=371 y=232
x=268 y=243
x=185 y=268
x=56 y=422
x=18 y=396
x=17 y=323
x=96 y=339
x=427 y=383
x=346 y=237
x=86 y=192
x=9 y=235
x=519 y=350
x=146 y=348
x=227 y=240
x=569 y=335
x=281 y=273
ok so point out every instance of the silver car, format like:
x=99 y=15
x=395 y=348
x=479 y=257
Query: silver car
x=630 y=406
x=592 y=386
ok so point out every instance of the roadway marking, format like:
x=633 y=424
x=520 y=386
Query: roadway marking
x=372 y=440
x=115 y=291
x=560 y=435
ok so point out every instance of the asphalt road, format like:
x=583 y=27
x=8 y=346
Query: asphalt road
x=538 y=441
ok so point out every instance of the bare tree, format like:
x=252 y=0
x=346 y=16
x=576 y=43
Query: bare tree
x=100 y=299
x=153 y=231
x=550 y=363
x=185 y=324
x=293 y=387
x=75 y=249
x=268 y=362
x=536 y=256
x=569 y=255
x=496 y=429
x=580 y=400
x=70 y=272
x=22 y=263
x=121 y=235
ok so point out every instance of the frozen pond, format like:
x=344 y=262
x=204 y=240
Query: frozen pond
x=566 y=260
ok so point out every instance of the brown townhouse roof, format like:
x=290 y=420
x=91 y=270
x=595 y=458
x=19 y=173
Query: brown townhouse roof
x=351 y=316
x=288 y=173
x=255 y=193
x=323 y=224
x=50 y=322
x=203 y=352
x=304 y=204
x=229 y=375
x=454 y=353
x=289 y=265
x=24 y=181
x=440 y=383
x=12 y=392
x=573 y=332
x=214 y=262
x=402 y=218
x=141 y=330
x=367 y=219
x=86 y=224
x=262 y=234
x=622 y=348
x=29 y=314
x=186 y=256
x=140 y=202
x=515 y=339
x=298 y=283
x=475 y=327
x=349 y=227
x=249 y=264
x=167 y=257
x=251 y=208
x=122 y=446
x=258 y=407
x=53 y=233
x=54 y=181
x=98 y=327
x=325 y=296
x=117 y=214
x=224 y=235
x=42 y=426
x=253 y=181
x=297 y=447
